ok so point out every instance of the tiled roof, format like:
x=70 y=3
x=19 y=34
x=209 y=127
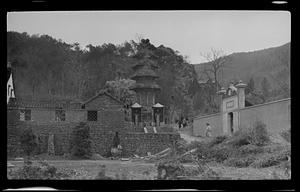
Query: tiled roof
x=44 y=104
x=102 y=92
x=143 y=63
x=145 y=72
x=145 y=86
x=136 y=105
x=158 y=105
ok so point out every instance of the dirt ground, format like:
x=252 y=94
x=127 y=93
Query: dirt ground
x=145 y=171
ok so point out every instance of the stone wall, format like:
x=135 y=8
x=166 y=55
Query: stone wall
x=276 y=115
x=215 y=121
x=102 y=137
x=13 y=141
x=141 y=143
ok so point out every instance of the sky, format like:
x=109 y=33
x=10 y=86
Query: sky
x=192 y=33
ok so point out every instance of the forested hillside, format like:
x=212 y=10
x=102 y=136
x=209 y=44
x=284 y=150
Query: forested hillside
x=268 y=68
x=46 y=68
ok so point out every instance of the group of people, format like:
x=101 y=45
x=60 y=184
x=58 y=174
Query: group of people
x=183 y=122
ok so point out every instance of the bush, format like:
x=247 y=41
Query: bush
x=169 y=169
x=217 y=140
x=194 y=144
x=41 y=171
x=220 y=153
x=80 y=142
x=240 y=162
x=256 y=135
x=240 y=138
x=269 y=160
x=209 y=152
x=259 y=134
x=273 y=148
x=249 y=149
x=28 y=141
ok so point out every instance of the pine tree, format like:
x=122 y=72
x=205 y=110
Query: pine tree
x=80 y=142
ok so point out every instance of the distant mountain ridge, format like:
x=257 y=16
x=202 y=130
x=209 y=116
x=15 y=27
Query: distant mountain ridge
x=271 y=63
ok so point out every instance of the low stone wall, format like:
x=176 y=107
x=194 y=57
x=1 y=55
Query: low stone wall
x=141 y=143
x=102 y=137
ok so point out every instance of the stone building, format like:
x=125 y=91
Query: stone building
x=236 y=113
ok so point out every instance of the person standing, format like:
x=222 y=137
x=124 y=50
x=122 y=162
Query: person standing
x=116 y=149
x=184 y=122
x=208 y=130
x=179 y=124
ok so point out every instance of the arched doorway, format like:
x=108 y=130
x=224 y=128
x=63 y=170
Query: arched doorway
x=230 y=122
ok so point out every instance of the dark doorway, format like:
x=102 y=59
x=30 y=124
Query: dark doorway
x=230 y=122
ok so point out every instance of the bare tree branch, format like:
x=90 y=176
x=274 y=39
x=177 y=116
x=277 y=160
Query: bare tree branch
x=217 y=60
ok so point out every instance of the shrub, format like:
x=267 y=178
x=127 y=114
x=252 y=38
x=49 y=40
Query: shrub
x=240 y=138
x=273 y=148
x=259 y=134
x=249 y=149
x=169 y=169
x=40 y=171
x=217 y=140
x=265 y=161
x=207 y=152
x=240 y=162
x=220 y=153
x=194 y=144
x=28 y=141
x=80 y=142
x=269 y=160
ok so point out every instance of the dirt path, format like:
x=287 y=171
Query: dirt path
x=186 y=134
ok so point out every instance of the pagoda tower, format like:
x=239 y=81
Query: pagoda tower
x=146 y=111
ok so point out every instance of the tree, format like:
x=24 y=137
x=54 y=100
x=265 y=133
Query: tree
x=250 y=86
x=217 y=60
x=80 y=142
x=28 y=141
x=282 y=78
x=120 y=88
x=265 y=87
